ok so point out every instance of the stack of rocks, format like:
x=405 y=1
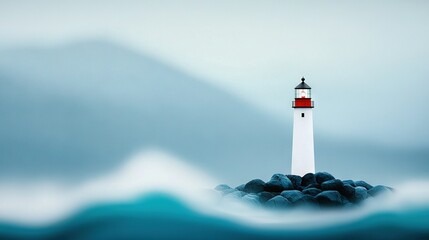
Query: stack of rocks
x=320 y=189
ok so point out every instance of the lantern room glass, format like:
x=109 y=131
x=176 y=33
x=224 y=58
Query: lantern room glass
x=302 y=93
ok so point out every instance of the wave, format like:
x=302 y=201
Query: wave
x=162 y=216
x=153 y=170
x=157 y=196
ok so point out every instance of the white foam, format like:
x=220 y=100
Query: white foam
x=45 y=202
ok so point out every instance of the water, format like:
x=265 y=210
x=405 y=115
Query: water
x=156 y=196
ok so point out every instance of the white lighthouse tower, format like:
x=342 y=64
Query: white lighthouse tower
x=303 y=143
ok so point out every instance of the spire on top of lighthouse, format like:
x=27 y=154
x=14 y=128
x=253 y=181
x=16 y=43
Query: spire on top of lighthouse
x=302 y=85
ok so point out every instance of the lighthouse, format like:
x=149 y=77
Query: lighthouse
x=303 y=142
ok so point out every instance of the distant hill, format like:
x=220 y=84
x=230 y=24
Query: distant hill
x=81 y=109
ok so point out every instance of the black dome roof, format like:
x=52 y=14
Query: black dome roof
x=302 y=85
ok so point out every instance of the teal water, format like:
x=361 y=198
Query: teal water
x=163 y=216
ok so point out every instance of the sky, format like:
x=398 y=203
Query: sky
x=367 y=61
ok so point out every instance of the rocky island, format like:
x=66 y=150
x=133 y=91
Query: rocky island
x=319 y=190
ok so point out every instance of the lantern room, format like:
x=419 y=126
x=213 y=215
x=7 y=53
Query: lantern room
x=302 y=93
x=302 y=96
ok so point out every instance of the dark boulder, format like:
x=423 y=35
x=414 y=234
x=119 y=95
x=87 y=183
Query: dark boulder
x=311 y=191
x=254 y=186
x=228 y=191
x=349 y=182
x=296 y=197
x=241 y=187
x=348 y=191
x=296 y=181
x=308 y=179
x=348 y=205
x=313 y=185
x=234 y=194
x=334 y=184
x=360 y=194
x=278 y=183
x=363 y=184
x=252 y=199
x=265 y=196
x=292 y=195
x=329 y=198
x=377 y=190
x=323 y=177
x=344 y=200
x=222 y=187
x=306 y=200
x=278 y=202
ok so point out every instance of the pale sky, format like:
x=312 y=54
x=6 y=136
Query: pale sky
x=367 y=61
